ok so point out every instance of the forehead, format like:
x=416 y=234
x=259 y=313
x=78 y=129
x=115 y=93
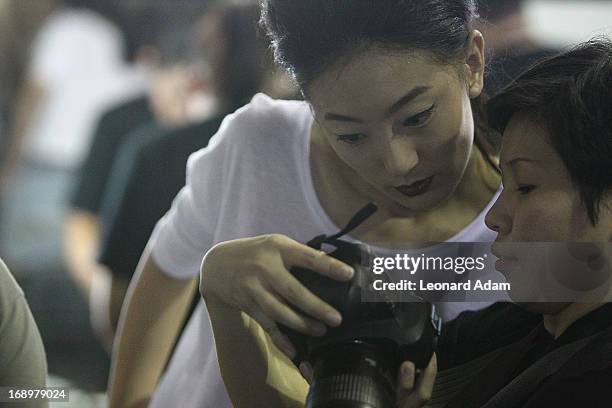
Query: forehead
x=374 y=77
x=525 y=138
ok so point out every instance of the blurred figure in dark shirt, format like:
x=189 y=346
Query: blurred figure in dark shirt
x=149 y=168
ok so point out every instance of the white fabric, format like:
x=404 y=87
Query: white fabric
x=254 y=178
x=77 y=58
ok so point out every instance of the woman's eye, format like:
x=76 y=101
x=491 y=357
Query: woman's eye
x=525 y=189
x=420 y=118
x=353 y=138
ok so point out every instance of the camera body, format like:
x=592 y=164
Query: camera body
x=356 y=363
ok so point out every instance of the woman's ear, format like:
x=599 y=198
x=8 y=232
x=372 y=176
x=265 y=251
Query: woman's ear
x=475 y=62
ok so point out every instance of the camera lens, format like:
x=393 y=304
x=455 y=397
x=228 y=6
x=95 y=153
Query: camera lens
x=356 y=374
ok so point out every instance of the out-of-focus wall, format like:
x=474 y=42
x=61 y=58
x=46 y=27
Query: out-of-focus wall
x=559 y=22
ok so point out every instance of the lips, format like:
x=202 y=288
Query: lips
x=504 y=261
x=416 y=188
x=504 y=264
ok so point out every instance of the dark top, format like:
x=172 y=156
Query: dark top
x=111 y=131
x=148 y=174
x=583 y=381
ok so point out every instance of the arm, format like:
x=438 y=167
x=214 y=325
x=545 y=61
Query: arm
x=251 y=366
x=251 y=275
x=94 y=280
x=81 y=240
x=147 y=332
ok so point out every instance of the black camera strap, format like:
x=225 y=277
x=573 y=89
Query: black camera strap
x=355 y=221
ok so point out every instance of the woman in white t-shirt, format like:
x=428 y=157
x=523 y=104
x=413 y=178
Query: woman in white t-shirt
x=393 y=116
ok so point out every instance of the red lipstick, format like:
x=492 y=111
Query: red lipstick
x=416 y=188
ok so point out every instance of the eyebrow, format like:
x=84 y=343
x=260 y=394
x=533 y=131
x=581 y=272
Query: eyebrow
x=404 y=100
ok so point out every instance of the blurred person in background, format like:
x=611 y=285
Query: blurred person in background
x=150 y=167
x=511 y=48
x=23 y=363
x=75 y=66
x=165 y=34
x=19 y=22
x=78 y=68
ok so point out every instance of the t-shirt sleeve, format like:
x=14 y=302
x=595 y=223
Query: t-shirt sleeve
x=186 y=232
x=22 y=356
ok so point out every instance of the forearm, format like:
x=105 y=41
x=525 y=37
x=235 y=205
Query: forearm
x=81 y=240
x=253 y=369
x=155 y=309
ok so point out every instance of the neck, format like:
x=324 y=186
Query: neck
x=556 y=324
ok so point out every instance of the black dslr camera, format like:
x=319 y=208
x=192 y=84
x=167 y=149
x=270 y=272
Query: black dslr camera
x=356 y=364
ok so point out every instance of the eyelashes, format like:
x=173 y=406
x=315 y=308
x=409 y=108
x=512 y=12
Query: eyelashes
x=352 y=139
x=525 y=189
x=420 y=119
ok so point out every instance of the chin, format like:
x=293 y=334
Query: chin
x=425 y=202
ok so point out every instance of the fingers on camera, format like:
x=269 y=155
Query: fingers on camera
x=297 y=294
x=301 y=255
x=282 y=313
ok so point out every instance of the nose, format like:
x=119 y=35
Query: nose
x=498 y=219
x=399 y=158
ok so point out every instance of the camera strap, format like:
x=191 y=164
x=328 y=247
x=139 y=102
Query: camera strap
x=524 y=384
x=355 y=221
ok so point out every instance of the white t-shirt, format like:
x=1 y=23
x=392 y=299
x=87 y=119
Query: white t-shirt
x=253 y=178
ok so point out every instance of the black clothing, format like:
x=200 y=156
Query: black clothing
x=582 y=381
x=111 y=131
x=146 y=177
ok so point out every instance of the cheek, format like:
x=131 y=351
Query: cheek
x=451 y=152
x=546 y=217
x=451 y=140
x=360 y=158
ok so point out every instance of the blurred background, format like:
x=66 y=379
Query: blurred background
x=102 y=101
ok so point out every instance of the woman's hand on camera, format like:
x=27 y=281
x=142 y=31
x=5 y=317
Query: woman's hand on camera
x=253 y=275
x=415 y=392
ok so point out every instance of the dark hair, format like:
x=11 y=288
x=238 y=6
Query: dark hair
x=156 y=23
x=570 y=94
x=246 y=60
x=106 y=8
x=308 y=36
